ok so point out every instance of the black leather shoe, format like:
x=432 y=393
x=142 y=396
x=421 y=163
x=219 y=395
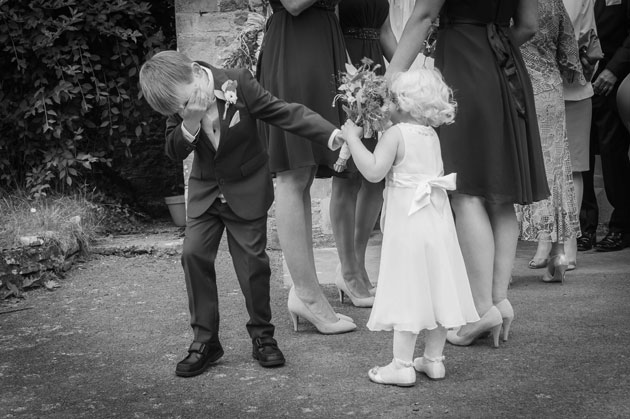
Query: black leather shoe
x=266 y=351
x=613 y=241
x=200 y=357
x=586 y=241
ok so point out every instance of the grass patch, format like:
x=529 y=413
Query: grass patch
x=63 y=219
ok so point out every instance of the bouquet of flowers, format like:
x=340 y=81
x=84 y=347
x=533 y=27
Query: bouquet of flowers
x=364 y=98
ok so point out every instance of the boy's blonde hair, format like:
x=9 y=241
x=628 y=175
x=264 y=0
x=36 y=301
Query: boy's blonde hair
x=160 y=77
x=425 y=96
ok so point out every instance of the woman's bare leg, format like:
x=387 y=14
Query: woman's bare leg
x=505 y=231
x=476 y=239
x=343 y=202
x=294 y=223
x=369 y=204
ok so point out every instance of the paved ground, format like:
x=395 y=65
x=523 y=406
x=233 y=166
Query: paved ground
x=106 y=342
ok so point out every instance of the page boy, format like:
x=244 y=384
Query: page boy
x=213 y=112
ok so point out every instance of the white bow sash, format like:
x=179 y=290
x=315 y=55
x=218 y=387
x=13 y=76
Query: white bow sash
x=425 y=186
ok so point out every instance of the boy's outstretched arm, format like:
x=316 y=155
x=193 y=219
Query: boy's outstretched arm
x=293 y=117
x=373 y=166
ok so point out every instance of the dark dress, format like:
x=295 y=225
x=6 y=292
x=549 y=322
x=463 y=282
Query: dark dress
x=300 y=59
x=361 y=22
x=494 y=143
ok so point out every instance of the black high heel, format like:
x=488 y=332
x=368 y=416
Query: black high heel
x=556 y=269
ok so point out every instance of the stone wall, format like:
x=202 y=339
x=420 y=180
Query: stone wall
x=37 y=263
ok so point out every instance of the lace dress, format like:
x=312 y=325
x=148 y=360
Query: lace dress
x=550 y=57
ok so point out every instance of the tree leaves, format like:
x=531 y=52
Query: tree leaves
x=68 y=72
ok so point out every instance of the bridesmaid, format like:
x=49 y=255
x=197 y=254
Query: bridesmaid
x=493 y=145
x=367 y=33
x=302 y=51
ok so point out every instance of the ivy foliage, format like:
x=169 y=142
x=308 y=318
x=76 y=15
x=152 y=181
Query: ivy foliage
x=69 y=93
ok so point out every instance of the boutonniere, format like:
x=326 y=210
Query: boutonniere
x=229 y=94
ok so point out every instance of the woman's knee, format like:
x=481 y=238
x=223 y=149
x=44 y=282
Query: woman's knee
x=463 y=202
x=295 y=179
x=345 y=189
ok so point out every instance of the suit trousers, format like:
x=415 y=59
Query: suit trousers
x=611 y=140
x=247 y=240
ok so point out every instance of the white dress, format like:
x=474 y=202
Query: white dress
x=422 y=280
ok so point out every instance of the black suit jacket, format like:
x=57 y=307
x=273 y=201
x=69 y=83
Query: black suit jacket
x=613 y=29
x=239 y=167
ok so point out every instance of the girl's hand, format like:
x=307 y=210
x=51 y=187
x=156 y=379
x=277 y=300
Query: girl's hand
x=350 y=130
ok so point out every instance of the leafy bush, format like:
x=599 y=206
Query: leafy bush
x=69 y=95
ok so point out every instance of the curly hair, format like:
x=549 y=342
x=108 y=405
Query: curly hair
x=424 y=94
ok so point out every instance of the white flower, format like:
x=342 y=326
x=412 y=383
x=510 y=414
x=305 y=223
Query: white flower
x=33 y=210
x=229 y=93
x=230 y=97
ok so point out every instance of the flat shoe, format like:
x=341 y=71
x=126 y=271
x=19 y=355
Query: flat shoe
x=433 y=368
x=586 y=241
x=403 y=375
x=612 y=242
x=200 y=356
x=265 y=350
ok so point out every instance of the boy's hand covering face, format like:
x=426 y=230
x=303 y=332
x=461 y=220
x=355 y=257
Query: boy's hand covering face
x=197 y=105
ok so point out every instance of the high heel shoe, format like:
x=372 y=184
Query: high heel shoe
x=556 y=269
x=344 y=317
x=356 y=301
x=490 y=322
x=507 y=313
x=298 y=309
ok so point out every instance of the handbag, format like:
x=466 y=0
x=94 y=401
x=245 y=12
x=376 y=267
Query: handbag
x=591 y=51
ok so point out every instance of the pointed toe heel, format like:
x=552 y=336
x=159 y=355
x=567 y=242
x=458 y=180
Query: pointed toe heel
x=466 y=335
x=297 y=309
x=345 y=291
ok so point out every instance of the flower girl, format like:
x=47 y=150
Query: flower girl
x=422 y=278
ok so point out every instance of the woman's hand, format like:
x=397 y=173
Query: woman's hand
x=413 y=36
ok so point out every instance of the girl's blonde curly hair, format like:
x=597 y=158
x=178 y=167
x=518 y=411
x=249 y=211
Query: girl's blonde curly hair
x=424 y=94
